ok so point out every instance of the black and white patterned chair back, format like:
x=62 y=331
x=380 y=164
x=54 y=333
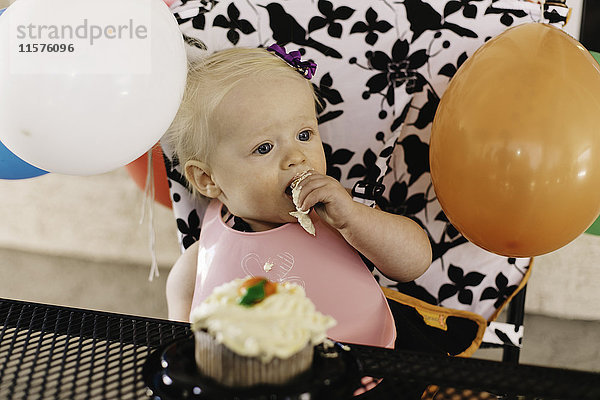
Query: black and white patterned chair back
x=382 y=69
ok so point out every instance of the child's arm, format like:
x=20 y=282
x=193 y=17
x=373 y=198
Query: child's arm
x=395 y=244
x=181 y=283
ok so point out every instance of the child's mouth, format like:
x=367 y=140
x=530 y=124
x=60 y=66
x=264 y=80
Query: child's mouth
x=294 y=182
x=298 y=178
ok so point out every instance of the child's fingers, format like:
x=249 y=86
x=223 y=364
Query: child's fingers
x=367 y=383
x=334 y=206
x=309 y=185
x=316 y=194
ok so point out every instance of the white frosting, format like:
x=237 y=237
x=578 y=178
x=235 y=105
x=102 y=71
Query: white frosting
x=302 y=216
x=268 y=266
x=279 y=326
x=304 y=220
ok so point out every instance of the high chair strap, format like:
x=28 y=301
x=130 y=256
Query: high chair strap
x=458 y=332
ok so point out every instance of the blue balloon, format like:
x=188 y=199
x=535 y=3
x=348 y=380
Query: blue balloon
x=2 y=10
x=12 y=167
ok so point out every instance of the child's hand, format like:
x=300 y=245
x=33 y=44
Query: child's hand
x=328 y=197
x=397 y=245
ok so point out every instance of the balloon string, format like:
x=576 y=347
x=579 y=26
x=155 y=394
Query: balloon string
x=148 y=203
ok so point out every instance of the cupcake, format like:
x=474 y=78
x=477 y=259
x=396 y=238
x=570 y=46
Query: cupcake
x=253 y=331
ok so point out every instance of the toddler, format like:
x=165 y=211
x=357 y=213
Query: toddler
x=246 y=130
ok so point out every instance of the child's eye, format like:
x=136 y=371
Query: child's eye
x=304 y=136
x=264 y=148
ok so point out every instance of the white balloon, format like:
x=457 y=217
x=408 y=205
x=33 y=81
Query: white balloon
x=87 y=86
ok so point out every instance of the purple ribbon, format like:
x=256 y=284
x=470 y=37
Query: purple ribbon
x=294 y=59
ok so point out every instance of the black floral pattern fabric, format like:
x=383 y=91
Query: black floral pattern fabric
x=382 y=69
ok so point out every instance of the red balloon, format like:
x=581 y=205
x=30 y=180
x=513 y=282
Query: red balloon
x=138 y=170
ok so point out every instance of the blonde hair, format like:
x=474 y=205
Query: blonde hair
x=208 y=81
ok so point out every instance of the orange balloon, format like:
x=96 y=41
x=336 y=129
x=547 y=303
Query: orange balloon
x=138 y=170
x=515 y=144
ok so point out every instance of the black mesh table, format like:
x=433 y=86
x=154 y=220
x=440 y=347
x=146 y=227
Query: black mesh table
x=52 y=352
x=49 y=352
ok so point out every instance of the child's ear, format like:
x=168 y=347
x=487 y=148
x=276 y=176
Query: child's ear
x=198 y=174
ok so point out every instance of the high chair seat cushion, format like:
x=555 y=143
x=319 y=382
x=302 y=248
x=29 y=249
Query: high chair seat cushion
x=382 y=69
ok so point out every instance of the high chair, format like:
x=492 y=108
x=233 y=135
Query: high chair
x=382 y=69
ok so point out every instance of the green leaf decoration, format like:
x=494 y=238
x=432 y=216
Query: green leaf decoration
x=254 y=294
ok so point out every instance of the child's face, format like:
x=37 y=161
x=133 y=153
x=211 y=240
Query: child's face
x=267 y=134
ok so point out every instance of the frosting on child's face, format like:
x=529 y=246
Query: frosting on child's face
x=267 y=134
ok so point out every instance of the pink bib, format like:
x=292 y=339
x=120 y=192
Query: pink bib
x=330 y=270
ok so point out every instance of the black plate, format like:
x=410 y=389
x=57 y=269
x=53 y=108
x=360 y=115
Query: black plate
x=170 y=373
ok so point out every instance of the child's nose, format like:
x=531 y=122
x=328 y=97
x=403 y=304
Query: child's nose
x=293 y=158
